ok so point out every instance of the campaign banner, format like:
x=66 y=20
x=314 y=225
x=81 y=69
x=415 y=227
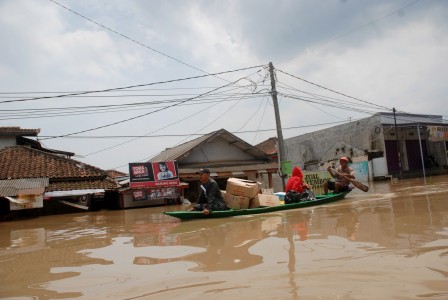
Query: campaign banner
x=153 y=174
x=317 y=178
x=139 y=195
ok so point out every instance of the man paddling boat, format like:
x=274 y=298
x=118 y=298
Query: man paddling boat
x=342 y=176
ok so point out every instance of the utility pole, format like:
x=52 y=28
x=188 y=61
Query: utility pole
x=398 y=146
x=281 y=146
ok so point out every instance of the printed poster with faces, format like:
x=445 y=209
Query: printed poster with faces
x=153 y=174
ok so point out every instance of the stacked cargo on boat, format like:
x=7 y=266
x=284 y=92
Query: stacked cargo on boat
x=243 y=194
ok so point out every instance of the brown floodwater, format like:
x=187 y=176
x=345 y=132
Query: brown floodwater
x=389 y=243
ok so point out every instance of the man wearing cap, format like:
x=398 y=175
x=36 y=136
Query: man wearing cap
x=210 y=198
x=341 y=177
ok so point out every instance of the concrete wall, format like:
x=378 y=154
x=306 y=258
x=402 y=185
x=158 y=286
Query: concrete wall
x=313 y=150
x=7 y=142
x=358 y=139
x=217 y=150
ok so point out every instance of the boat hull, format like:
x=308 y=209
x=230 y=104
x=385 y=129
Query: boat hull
x=320 y=199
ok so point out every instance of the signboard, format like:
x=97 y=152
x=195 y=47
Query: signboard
x=286 y=167
x=139 y=195
x=437 y=133
x=317 y=178
x=153 y=174
x=26 y=202
x=361 y=171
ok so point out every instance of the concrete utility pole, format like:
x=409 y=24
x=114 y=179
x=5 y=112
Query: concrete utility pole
x=398 y=146
x=281 y=145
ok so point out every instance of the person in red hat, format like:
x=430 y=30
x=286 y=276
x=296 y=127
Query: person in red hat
x=341 y=177
x=295 y=182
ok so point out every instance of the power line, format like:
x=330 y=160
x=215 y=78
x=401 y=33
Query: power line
x=166 y=126
x=126 y=87
x=145 y=114
x=193 y=134
x=133 y=90
x=130 y=39
x=341 y=104
x=325 y=88
x=107 y=109
x=323 y=99
x=216 y=119
x=336 y=105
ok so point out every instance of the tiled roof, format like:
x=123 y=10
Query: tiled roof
x=17 y=131
x=23 y=162
x=115 y=173
x=268 y=146
x=107 y=184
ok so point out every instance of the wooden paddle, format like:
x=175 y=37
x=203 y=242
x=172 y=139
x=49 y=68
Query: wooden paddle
x=356 y=183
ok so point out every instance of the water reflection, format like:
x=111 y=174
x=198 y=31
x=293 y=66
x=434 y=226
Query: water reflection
x=395 y=231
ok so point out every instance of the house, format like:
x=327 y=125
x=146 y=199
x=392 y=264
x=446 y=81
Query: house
x=226 y=155
x=392 y=145
x=117 y=175
x=12 y=136
x=269 y=147
x=26 y=166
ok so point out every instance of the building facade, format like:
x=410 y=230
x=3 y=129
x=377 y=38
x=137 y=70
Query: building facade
x=398 y=145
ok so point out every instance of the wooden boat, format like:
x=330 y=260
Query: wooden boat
x=320 y=199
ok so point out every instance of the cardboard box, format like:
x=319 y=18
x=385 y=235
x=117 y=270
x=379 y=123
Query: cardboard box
x=235 y=202
x=264 y=200
x=242 y=187
x=267 y=191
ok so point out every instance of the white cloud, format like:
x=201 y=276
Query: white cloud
x=398 y=61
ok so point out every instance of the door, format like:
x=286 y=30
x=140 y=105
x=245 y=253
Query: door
x=414 y=155
x=393 y=165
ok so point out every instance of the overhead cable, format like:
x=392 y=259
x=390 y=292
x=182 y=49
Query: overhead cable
x=126 y=87
x=145 y=114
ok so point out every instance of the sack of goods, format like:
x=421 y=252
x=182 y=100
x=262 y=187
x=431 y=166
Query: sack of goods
x=295 y=197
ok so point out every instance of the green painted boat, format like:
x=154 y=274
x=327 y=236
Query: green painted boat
x=320 y=199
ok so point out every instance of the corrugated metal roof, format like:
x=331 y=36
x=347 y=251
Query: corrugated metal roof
x=177 y=153
x=231 y=169
x=24 y=186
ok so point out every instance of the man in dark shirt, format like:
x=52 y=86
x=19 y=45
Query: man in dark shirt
x=210 y=198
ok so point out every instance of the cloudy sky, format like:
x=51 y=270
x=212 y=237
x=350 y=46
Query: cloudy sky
x=119 y=81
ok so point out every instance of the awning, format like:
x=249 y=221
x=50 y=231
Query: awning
x=25 y=202
x=21 y=200
x=238 y=173
x=72 y=193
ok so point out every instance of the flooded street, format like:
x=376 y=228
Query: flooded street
x=389 y=243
